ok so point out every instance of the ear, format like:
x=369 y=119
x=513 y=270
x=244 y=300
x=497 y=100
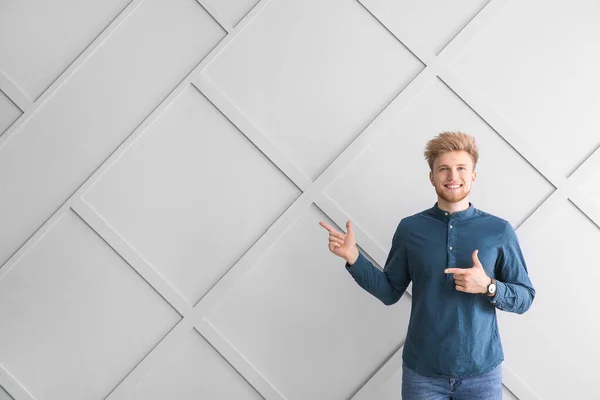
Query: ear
x=474 y=176
x=431 y=177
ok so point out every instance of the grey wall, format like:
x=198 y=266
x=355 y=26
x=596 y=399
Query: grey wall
x=164 y=166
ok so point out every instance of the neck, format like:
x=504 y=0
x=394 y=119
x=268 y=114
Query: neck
x=453 y=207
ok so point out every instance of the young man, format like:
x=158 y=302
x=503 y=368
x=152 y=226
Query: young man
x=464 y=264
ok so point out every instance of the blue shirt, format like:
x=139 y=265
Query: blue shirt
x=450 y=333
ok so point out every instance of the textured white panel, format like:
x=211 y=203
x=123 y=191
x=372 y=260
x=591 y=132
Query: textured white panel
x=557 y=340
x=592 y=188
x=88 y=117
x=304 y=323
x=75 y=317
x=230 y=11
x=392 y=176
x=193 y=194
x=9 y=112
x=433 y=22
x=507 y=394
x=4 y=395
x=39 y=39
x=193 y=370
x=392 y=389
x=544 y=79
x=312 y=75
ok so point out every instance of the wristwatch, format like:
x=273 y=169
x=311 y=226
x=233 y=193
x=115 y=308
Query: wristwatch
x=491 y=289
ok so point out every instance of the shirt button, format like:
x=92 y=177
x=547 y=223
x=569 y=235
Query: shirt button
x=445 y=213
x=450 y=247
x=450 y=226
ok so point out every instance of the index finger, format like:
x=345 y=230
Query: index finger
x=455 y=270
x=331 y=230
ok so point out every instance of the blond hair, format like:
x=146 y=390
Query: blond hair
x=451 y=141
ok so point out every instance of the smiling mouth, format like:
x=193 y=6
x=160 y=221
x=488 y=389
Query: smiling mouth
x=452 y=187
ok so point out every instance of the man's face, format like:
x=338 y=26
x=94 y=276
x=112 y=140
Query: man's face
x=453 y=175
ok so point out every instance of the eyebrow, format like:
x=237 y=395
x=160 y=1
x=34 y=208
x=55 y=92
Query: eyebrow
x=458 y=165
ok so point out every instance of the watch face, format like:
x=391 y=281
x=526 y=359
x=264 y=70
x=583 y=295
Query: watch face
x=492 y=288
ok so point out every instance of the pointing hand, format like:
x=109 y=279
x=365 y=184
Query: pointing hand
x=340 y=244
x=470 y=280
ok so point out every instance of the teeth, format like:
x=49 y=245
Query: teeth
x=453 y=187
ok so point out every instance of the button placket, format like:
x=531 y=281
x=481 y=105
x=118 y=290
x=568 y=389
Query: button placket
x=450 y=234
x=450 y=248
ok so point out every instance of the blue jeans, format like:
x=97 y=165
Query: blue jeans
x=486 y=386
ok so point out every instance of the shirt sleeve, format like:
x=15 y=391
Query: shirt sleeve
x=514 y=290
x=388 y=286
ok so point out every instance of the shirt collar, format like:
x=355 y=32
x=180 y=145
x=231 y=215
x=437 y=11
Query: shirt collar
x=445 y=215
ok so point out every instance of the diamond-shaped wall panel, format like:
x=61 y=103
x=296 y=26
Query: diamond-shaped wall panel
x=66 y=139
x=9 y=112
x=312 y=75
x=192 y=194
x=507 y=394
x=304 y=324
x=76 y=318
x=230 y=11
x=193 y=370
x=433 y=22
x=392 y=176
x=557 y=340
x=592 y=189
x=390 y=390
x=545 y=79
x=4 y=395
x=39 y=39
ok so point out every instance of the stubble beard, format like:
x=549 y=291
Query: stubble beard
x=452 y=197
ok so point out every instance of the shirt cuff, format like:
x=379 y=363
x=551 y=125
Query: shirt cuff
x=360 y=263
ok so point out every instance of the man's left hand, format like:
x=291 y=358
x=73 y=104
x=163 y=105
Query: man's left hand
x=470 y=280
